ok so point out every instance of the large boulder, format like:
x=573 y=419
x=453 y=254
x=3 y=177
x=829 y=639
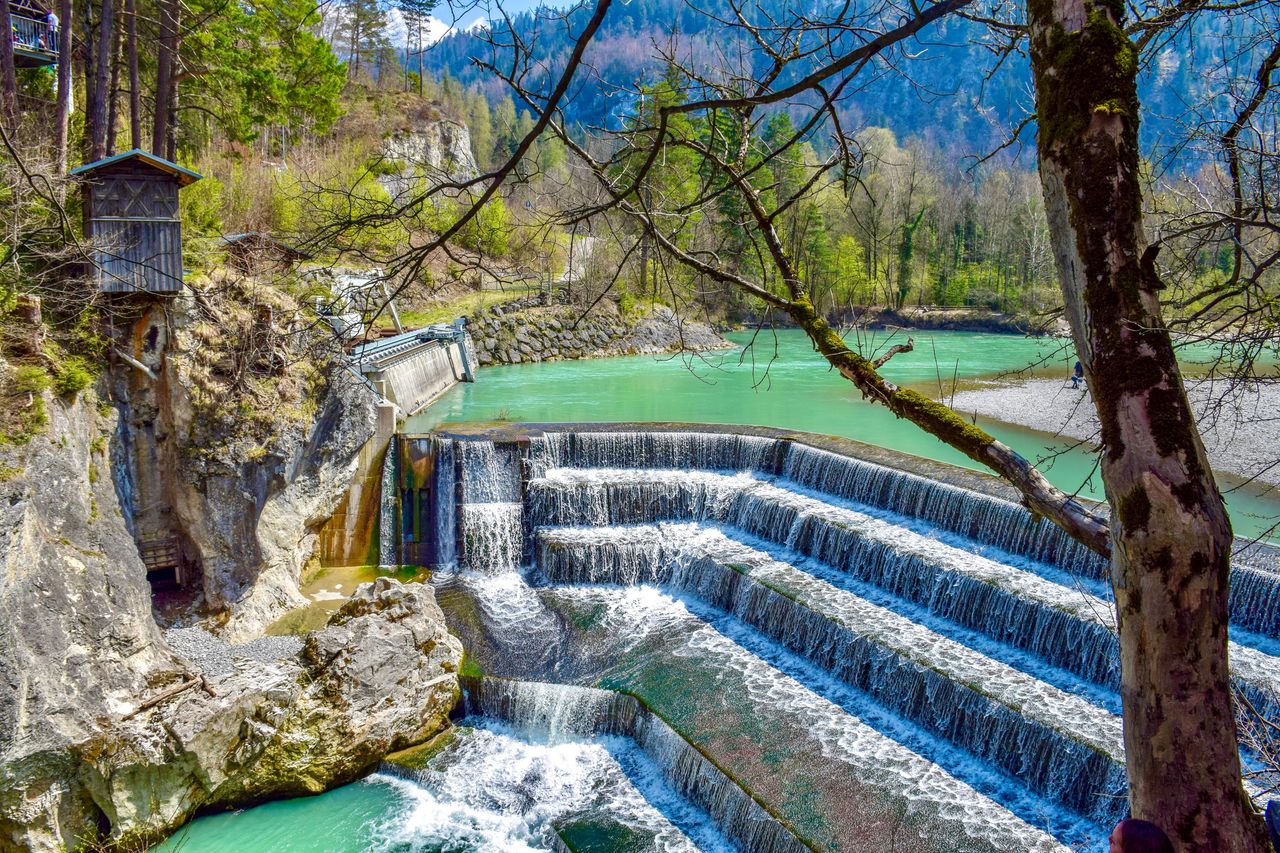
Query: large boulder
x=379 y=677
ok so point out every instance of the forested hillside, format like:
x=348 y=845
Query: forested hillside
x=285 y=109
x=960 y=92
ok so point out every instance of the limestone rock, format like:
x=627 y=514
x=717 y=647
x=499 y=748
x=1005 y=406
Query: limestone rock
x=379 y=677
x=253 y=523
x=77 y=639
x=440 y=150
x=103 y=724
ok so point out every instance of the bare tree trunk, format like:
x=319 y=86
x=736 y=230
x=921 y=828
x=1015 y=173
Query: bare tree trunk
x=171 y=135
x=102 y=80
x=355 y=47
x=135 y=96
x=8 y=76
x=165 y=57
x=63 y=119
x=1171 y=538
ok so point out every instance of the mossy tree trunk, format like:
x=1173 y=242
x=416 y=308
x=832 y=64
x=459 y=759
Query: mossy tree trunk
x=1170 y=534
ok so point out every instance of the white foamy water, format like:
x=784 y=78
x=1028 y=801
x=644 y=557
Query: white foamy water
x=495 y=791
x=1019 y=691
x=492 y=534
x=722 y=489
x=841 y=737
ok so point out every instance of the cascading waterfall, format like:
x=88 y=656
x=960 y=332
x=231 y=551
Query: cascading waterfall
x=1255 y=600
x=493 y=536
x=944 y=581
x=489 y=474
x=904 y=668
x=388 y=510
x=988 y=521
x=680 y=451
x=444 y=490
x=558 y=712
x=985 y=634
x=564 y=711
x=982 y=518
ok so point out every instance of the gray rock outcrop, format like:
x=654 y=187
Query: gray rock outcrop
x=78 y=644
x=243 y=484
x=435 y=151
x=379 y=677
x=253 y=518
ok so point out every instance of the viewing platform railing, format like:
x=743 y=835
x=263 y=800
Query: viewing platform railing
x=34 y=39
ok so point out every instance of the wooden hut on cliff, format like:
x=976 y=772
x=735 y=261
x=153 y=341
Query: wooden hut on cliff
x=132 y=221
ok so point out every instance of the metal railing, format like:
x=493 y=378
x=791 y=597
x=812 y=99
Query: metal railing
x=35 y=35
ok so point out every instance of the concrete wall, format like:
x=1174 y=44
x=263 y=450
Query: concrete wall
x=414 y=380
x=350 y=536
x=410 y=382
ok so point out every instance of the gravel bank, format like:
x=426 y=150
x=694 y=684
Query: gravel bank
x=1241 y=430
x=217 y=657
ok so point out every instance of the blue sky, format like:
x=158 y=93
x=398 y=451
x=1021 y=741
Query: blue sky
x=469 y=11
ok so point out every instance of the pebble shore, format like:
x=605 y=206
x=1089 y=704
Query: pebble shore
x=1241 y=429
x=217 y=657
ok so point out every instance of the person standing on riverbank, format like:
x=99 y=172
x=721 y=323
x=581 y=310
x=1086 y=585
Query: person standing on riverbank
x=1077 y=375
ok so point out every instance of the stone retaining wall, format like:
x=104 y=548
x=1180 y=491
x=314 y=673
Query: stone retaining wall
x=525 y=331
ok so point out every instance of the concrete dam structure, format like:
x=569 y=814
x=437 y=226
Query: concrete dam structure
x=408 y=372
x=414 y=368
x=820 y=645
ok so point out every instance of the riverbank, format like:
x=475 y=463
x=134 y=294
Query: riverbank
x=528 y=331
x=1241 y=432
x=919 y=318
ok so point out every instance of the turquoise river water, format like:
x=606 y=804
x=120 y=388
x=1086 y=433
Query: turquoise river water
x=782 y=382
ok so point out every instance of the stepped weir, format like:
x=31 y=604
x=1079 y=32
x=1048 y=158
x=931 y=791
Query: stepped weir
x=821 y=645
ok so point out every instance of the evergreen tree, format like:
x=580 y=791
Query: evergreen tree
x=367 y=34
x=415 y=14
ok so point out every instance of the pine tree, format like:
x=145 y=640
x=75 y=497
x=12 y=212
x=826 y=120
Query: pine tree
x=367 y=33
x=415 y=14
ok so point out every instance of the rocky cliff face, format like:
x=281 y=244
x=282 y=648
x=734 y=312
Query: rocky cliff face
x=103 y=726
x=437 y=150
x=241 y=459
x=524 y=331
x=78 y=645
x=253 y=517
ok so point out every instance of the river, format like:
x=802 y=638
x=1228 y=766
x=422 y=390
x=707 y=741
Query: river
x=782 y=382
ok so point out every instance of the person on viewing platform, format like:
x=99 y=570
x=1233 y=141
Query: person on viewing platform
x=1139 y=836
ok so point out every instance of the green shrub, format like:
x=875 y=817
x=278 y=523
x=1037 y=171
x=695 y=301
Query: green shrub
x=30 y=380
x=71 y=377
x=626 y=302
x=201 y=206
x=23 y=413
